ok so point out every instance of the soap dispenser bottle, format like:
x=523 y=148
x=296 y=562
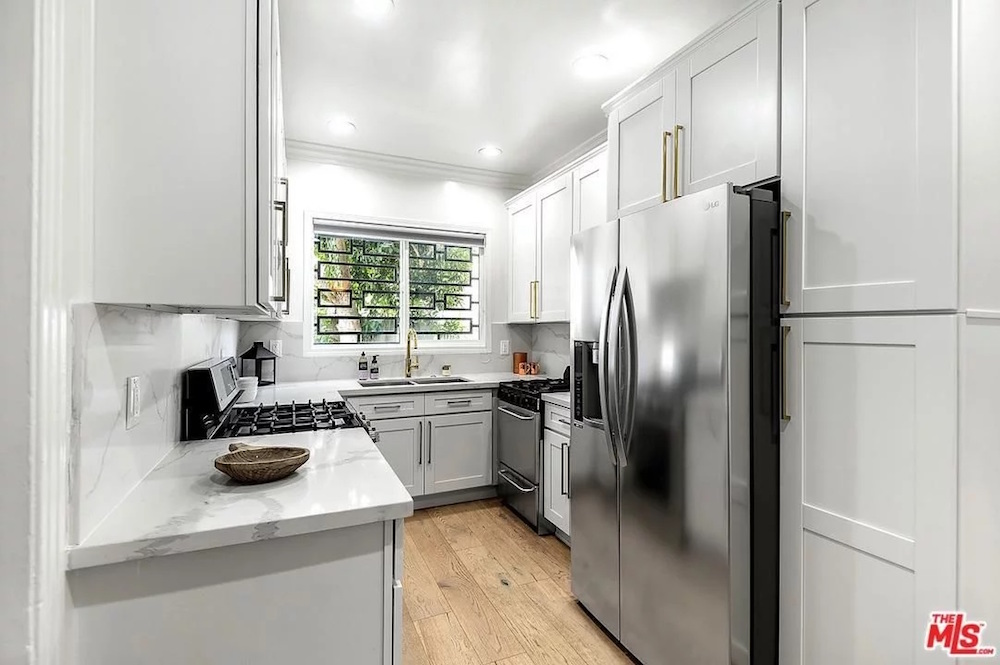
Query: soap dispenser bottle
x=374 y=367
x=363 y=368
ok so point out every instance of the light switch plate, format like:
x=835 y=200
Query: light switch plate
x=276 y=347
x=133 y=402
x=505 y=347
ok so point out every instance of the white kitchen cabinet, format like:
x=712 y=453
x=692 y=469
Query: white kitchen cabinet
x=555 y=496
x=522 y=244
x=459 y=452
x=185 y=163
x=728 y=104
x=640 y=148
x=590 y=193
x=555 y=227
x=868 y=486
x=868 y=156
x=449 y=448
x=541 y=223
x=400 y=440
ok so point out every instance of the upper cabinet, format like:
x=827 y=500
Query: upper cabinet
x=728 y=104
x=708 y=115
x=188 y=180
x=541 y=222
x=868 y=156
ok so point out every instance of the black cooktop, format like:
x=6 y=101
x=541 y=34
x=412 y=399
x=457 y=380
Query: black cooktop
x=282 y=418
x=528 y=394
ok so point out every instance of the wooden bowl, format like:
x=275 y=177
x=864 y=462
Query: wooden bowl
x=252 y=465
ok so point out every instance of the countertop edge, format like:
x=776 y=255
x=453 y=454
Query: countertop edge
x=83 y=556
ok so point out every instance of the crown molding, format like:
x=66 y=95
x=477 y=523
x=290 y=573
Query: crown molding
x=571 y=158
x=327 y=154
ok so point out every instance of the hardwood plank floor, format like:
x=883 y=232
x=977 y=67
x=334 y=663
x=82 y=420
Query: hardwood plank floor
x=480 y=588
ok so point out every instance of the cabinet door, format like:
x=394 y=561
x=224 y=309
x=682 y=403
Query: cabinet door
x=868 y=487
x=590 y=193
x=727 y=105
x=401 y=444
x=521 y=264
x=555 y=494
x=459 y=451
x=555 y=226
x=866 y=155
x=638 y=165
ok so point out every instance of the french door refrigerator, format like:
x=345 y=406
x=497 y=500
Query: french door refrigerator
x=673 y=449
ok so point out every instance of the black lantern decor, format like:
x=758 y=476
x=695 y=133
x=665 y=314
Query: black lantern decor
x=265 y=366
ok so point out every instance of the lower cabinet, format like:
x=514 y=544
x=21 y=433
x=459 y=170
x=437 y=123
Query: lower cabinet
x=555 y=495
x=439 y=453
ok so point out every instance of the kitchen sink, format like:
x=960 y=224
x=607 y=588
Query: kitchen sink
x=372 y=383
x=428 y=380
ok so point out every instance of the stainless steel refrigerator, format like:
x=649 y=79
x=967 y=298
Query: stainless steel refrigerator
x=673 y=450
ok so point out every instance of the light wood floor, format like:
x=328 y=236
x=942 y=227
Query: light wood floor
x=481 y=588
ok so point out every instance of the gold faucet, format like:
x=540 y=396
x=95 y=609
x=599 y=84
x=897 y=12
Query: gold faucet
x=412 y=362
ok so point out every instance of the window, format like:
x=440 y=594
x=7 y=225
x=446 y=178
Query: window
x=363 y=270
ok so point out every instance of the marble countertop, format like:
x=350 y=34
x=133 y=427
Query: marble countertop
x=336 y=390
x=184 y=504
x=562 y=399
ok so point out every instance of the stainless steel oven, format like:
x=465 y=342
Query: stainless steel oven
x=519 y=445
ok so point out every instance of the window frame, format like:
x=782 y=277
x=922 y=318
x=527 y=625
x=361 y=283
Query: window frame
x=311 y=349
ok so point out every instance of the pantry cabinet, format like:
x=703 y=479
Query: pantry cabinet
x=869 y=454
x=868 y=156
x=556 y=484
x=541 y=222
x=728 y=104
x=187 y=166
x=435 y=442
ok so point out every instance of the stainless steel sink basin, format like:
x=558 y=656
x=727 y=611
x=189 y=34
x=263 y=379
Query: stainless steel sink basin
x=425 y=380
x=373 y=383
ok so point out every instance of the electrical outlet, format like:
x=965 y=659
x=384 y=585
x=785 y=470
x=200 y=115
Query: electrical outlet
x=505 y=347
x=133 y=402
x=276 y=347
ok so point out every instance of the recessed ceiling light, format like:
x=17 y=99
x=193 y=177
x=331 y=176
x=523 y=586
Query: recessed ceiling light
x=342 y=127
x=490 y=151
x=373 y=9
x=591 y=66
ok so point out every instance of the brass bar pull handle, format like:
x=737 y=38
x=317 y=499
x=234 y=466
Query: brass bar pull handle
x=785 y=301
x=664 y=149
x=677 y=160
x=534 y=299
x=785 y=332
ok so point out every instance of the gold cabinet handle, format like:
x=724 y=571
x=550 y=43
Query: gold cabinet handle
x=534 y=299
x=785 y=300
x=677 y=160
x=664 y=150
x=785 y=332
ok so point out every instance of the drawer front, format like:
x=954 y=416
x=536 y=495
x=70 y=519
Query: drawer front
x=379 y=407
x=458 y=402
x=557 y=418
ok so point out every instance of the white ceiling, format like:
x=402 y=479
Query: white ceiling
x=438 y=79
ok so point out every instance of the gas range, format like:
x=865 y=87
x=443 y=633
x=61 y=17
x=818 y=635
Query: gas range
x=283 y=418
x=528 y=394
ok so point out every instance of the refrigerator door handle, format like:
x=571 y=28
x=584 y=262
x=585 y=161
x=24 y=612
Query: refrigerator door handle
x=614 y=376
x=629 y=386
x=602 y=367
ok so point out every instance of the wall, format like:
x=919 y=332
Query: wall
x=327 y=188
x=110 y=344
x=16 y=57
x=550 y=347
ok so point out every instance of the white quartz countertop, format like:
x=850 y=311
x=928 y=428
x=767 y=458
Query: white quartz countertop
x=562 y=399
x=337 y=390
x=185 y=504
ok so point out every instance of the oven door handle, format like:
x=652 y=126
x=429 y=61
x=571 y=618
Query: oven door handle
x=503 y=474
x=516 y=415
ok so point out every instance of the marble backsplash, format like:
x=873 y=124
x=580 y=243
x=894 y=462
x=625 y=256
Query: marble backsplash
x=546 y=343
x=295 y=366
x=550 y=347
x=111 y=344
